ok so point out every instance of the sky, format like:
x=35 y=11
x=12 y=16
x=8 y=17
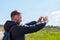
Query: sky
x=31 y=10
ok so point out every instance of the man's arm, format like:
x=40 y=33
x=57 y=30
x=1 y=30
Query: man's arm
x=32 y=28
x=35 y=25
x=31 y=23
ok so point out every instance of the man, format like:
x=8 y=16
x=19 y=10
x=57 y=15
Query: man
x=18 y=31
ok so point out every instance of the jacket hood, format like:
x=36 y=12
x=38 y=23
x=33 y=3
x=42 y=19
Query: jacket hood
x=8 y=25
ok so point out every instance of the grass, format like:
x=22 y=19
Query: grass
x=44 y=34
x=1 y=29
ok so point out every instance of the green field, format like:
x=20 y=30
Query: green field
x=44 y=34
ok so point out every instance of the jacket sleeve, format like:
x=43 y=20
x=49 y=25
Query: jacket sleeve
x=31 y=23
x=32 y=27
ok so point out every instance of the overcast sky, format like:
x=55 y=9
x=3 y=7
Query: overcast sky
x=31 y=10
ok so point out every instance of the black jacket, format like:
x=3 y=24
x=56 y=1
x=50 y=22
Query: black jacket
x=18 y=32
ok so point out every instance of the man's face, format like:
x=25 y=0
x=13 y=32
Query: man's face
x=17 y=18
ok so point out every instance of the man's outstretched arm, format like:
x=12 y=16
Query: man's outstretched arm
x=34 y=26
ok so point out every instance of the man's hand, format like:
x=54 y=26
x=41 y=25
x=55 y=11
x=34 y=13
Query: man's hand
x=40 y=19
x=43 y=19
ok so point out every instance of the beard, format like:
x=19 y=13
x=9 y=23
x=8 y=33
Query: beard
x=18 y=22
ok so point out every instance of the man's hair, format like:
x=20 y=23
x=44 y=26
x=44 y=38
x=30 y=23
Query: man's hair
x=13 y=13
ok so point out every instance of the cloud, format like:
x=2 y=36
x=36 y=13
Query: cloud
x=55 y=17
x=55 y=12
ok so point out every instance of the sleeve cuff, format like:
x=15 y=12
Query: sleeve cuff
x=40 y=22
